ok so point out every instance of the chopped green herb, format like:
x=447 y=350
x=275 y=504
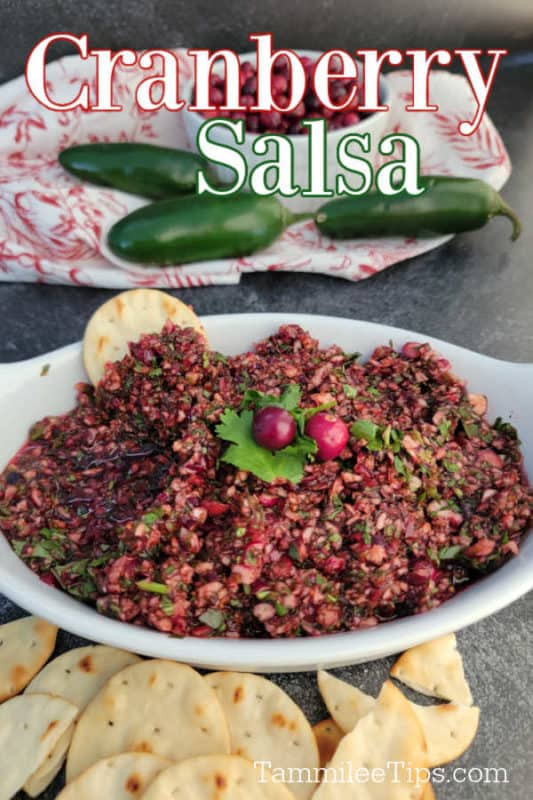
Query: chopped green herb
x=167 y=606
x=451 y=466
x=45 y=369
x=377 y=437
x=444 y=428
x=213 y=619
x=471 y=429
x=154 y=373
x=349 y=390
x=36 y=431
x=451 y=552
x=152 y=516
x=400 y=466
x=351 y=357
x=205 y=359
x=240 y=532
x=294 y=554
x=281 y=611
x=152 y=586
x=505 y=427
x=263 y=594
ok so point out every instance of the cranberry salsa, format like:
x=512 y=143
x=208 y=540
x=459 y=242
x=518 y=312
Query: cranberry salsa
x=131 y=503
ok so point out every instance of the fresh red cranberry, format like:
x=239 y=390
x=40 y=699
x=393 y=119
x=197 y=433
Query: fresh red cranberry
x=280 y=84
x=252 y=123
x=299 y=111
x=309 y=108
x=330 y=434
x=270 y=119
x=250 y=86
x=216 y=96
x=350 y=119
x=273 y=427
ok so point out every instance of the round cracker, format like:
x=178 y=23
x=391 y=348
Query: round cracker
x=449 y=729
x=346 y=703
x=25 y=645
x=435 y=669
x=327 y=735
x=122 y=777
x=45 y=774
x=79 y=674
x=216 y=778
x=123 y=319
x=266 y=725
x=156 y=707
x=390 y=734
x=30 y=728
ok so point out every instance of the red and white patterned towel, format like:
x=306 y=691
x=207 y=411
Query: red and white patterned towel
x=52 y=226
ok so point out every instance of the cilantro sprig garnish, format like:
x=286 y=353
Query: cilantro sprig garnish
x=244 y=452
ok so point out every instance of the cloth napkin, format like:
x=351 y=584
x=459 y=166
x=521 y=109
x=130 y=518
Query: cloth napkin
x=53 y=227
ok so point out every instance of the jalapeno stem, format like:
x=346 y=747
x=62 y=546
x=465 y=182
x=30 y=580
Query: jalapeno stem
x=505 y=210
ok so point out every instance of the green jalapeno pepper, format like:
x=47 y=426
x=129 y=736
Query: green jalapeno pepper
x=143 y=169
x=448 y=205
x=199 y=228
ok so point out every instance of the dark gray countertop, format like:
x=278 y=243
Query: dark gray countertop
x=475 y=291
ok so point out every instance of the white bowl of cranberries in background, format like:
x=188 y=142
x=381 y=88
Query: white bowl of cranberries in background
x=340 y=123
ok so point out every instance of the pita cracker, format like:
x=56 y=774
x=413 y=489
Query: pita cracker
x=429 y=792
x=30 y=727
x=156 y=707
x=216 y=778
x=123 y=319
x=122 y=777
x=79 y=674
x=449 y=729
x=435 y=669
x=266 y=725
x=25 y=645
x=346 y=704
x=43 y=777
x=389 y=733
x=327 y=735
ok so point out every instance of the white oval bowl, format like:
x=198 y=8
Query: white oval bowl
x=376 y=124
x=26 y=396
